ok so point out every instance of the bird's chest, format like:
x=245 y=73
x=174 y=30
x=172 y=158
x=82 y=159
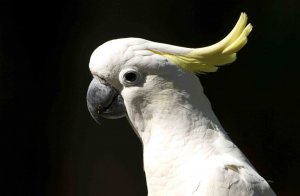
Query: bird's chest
x=163 y=177
x=170 y=172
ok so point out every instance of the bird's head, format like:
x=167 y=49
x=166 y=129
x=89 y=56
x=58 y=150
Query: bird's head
x=134 y=74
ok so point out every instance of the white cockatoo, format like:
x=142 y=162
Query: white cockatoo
x=185 y=149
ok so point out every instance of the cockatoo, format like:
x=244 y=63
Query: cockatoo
x=185 y=149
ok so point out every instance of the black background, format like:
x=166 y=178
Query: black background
x=51 y=146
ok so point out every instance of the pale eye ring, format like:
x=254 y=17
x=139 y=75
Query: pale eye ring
x=130 y=77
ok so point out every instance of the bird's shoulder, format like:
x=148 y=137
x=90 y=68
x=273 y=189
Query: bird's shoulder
x=231 y=180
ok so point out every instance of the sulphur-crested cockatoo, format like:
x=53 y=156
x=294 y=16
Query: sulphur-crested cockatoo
x=186 y=150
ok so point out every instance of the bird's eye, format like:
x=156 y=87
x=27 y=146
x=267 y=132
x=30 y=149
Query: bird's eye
x=130 y=77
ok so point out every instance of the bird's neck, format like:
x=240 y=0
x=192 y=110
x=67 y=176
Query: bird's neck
x=171 y=114
x=179 y=124
x=175 y=127
x=178 y=128
x=175 y=117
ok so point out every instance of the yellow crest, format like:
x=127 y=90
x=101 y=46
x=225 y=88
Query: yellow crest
x=208 y=59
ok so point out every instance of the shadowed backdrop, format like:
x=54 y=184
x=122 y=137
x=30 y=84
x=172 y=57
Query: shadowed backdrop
x=51 y=146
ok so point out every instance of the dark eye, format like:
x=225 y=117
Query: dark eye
x=130 y=76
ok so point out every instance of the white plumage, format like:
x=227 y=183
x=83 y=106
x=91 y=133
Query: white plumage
x=186 y=150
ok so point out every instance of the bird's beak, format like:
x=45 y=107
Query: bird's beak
x=104 y=100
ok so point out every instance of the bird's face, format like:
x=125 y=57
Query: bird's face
x=126 y=78
x=133 y=74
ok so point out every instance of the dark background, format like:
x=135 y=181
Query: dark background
x=51 y=146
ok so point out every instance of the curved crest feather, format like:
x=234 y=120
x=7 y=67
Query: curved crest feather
x=207 y=59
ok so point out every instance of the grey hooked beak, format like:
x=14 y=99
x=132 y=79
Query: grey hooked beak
x=103 y=100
